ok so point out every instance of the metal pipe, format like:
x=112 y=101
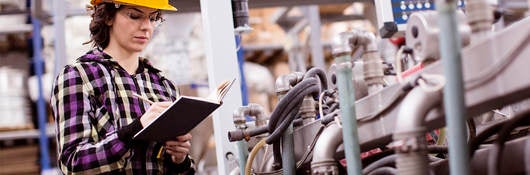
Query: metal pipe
x=242 y=147
x=323 y=161
x=242 y=154
x=307 y=110
x=288 y=162
x=480 y=18
x=372 y=63
x=239 y=118
x=247 y=133
x=454 y=101
x=59 y=36
x=409 y=140
x=252 y=110
x=41 y=109
x=347 y=104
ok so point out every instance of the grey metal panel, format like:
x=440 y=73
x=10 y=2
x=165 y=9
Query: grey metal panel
x=508 y=86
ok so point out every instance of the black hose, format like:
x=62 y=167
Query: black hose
x=333 y=107
x=287 y=99
x=487 y=133
x=277 y=153
x=385 y=161
x=289 y=114
x=472 y=128
x=298 y=122
x=329 y=118
x=317 y=72
x=288 y=106
x=497 y=152
x=384 y=171
x=278 y=131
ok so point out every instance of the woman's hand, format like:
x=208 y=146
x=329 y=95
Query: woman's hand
x=179 y=148
x=154 y=110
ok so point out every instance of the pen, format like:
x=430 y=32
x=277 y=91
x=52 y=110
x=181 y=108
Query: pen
x=161 y=150
x=143 y=98
x=159 y=155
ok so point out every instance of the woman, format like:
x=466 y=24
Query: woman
x=93 y=104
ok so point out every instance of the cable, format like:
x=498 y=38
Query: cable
x=296 y=103
x=472 y=128
x=330 y=117
x=286 y=101
x=385 y=161
x=321 y=114
x=481 y=137
x=320 y=74
x=384 y=171
x=251 y=156
x=520 y=119
x=498 y=67
x=397 y=62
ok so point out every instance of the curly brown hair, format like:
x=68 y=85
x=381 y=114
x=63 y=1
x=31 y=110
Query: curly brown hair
x=99 y=27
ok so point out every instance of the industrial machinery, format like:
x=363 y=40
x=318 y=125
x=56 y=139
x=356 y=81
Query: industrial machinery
x=399 y=127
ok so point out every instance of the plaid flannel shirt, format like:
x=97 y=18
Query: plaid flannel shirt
x=92 y=101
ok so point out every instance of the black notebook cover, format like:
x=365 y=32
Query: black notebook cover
x=178 y=119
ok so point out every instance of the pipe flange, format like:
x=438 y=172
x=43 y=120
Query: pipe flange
x=327 y=168
x=411 y=144
x=344 y=66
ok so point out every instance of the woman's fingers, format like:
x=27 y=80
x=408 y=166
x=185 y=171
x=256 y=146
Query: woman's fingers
x=154 y=110
x=184 y=137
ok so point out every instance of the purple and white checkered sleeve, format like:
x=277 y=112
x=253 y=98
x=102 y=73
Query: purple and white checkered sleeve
x=80 y=147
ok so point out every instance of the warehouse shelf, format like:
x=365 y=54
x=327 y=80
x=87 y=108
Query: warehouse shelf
x=27 y=133
x=19 y=28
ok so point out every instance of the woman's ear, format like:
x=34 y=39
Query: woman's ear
x=109 y=22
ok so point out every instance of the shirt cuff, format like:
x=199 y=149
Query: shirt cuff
x=126 y=133
x=185 y=167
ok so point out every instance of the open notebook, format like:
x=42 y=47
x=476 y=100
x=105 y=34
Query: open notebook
x=183 y=115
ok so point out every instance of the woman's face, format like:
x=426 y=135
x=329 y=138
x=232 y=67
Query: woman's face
x=133 y=27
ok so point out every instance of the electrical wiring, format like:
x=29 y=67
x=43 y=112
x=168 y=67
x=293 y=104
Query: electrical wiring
x=482 y=136
x=496 y=153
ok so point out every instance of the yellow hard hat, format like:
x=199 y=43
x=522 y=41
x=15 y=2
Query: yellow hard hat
x=156 y=4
